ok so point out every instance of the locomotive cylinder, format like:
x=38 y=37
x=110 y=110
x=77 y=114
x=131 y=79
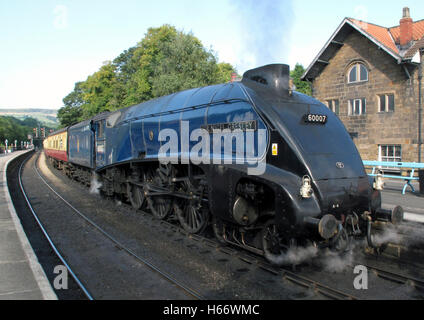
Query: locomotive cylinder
x=394 y=216
x=326 y=226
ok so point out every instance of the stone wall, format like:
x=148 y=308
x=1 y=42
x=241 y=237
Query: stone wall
x=385 y=76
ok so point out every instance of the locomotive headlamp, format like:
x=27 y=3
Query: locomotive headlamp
x=378 y=181
x=306 y=188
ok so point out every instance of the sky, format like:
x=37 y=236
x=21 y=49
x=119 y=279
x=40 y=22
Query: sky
x=48 y=45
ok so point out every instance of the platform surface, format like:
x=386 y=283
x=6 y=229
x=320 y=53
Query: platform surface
x=21 y=276
x=411 y=202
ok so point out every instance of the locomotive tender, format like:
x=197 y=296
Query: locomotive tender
x=312 y=187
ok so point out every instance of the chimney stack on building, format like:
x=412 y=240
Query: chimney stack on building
x=405 y=28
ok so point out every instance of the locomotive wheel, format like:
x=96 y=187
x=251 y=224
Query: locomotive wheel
x=272 y=244
x=135 y=195
x=160 y=206
x=192 y=215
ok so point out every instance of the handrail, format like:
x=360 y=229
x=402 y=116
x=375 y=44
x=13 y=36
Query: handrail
x=388 y=164
x=414 y=165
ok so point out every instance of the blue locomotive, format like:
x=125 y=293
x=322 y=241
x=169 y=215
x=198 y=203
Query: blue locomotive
x=269 y=168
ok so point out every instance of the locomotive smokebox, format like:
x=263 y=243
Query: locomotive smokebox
x=275 y=76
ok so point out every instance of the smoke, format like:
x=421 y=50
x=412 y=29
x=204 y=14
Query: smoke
x=335 y=262
x=411 y=235
x=388 y=235
x=95 y=185
x=265 y=29
x=294 y=256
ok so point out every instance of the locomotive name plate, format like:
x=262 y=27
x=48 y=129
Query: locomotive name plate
x=232 y=126
x=315 y=118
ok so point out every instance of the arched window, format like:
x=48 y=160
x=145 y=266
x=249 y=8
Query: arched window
x=357 y=73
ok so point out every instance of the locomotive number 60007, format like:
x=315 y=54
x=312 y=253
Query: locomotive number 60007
x=315 y=118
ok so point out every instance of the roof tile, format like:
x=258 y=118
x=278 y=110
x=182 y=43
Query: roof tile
x=389 y=37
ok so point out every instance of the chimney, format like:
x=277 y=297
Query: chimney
x=405 y=28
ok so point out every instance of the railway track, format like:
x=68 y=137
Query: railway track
x=287 y=274
x=396 y=277
x=284 y=274
x=189 y=291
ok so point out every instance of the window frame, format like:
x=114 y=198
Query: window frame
x=386 y=101
x=352 y=105
x=333 y=105
x=387 y=157
x=357 y=65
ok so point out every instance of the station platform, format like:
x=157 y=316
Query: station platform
x=21 y=276
x=411 y=202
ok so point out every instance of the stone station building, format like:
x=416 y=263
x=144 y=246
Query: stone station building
x=371 y=77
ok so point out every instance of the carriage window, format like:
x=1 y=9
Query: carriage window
x=357 y=73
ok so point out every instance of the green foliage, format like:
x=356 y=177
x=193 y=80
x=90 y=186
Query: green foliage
x=72 y=110
x=13 y=129
x=301 y=86
x=163 y=62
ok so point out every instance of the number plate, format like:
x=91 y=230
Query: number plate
x=315 y=118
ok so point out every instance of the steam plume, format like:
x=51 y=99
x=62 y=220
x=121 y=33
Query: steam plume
x=95 y=185
x=265 y=31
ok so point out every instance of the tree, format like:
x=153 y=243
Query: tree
x=72 y=111
x=14 y=129
x=163 y=62
x=225 y=70
x=98 y=92
x=301 y=86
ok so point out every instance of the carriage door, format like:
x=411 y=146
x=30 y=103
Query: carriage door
x=100 y=143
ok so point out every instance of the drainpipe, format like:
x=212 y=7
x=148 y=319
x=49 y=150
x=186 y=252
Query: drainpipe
x=420 y=77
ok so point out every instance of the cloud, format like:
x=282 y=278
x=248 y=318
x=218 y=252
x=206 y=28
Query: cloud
x=60 y=17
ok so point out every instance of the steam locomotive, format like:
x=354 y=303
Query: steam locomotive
x=267 y=167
